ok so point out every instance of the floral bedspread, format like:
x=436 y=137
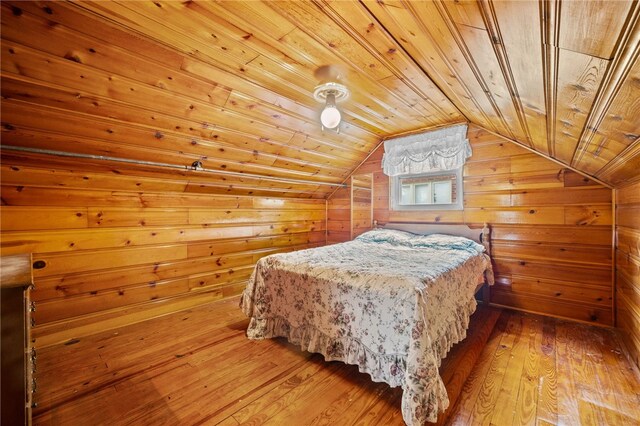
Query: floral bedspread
x=391 y=303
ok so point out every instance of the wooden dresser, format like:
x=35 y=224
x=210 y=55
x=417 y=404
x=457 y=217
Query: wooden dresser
x=18 y=355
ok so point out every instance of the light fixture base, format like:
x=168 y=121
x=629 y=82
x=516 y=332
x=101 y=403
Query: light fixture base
x=340 y=91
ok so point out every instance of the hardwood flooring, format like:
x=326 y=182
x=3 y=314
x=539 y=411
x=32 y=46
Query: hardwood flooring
x=196 y=367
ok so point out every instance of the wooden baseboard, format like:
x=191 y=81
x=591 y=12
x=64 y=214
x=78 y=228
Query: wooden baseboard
x=545 y=314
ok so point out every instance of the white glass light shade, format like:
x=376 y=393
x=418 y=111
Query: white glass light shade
x=330 y=117
x=330 y=93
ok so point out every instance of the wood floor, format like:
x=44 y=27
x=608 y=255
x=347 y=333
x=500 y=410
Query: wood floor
x=197 y=367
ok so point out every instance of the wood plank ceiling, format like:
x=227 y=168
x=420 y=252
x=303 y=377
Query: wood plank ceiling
x=230 y=84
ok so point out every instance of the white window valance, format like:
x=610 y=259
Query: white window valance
x=434 y=151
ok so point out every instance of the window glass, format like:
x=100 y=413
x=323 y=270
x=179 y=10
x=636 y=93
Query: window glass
x=406 y=197
x=442 y=192
x=423 y=193
x=429 y=191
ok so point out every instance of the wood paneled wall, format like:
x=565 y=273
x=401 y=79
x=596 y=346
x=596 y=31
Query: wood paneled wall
x=551 y=228
x=349 y=210
x=361 y=203
x=339 y=216
x=106 y=253
x=628 y=266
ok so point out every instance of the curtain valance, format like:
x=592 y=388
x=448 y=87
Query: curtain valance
x=434 y=151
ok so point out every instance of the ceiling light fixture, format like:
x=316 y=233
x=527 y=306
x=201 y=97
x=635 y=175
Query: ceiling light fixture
x=331 y=93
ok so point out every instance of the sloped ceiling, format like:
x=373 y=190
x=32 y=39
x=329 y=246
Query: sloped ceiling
x=562 y=78
x=230 y=84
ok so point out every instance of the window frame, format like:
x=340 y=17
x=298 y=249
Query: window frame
x=396 y=192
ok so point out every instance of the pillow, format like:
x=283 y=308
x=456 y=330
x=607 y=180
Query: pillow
x=391 y=236
x=447 y=242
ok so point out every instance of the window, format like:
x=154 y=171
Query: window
x=428 y=191
x=420 y=192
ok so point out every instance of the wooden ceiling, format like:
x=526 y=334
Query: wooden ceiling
x=562 y=78
x=230 y=84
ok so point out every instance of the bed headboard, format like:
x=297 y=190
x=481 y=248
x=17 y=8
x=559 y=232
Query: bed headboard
x=481 y=236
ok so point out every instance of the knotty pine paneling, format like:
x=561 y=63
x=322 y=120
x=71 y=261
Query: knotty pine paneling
x=551 y=228
x=230 y=84
x=566 y=88
x=106 y=254
x=349 y=210
x=339 y=216
x=628 y=266
x=361 y=204
x=215 y=83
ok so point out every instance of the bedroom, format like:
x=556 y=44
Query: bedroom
x=154 y=152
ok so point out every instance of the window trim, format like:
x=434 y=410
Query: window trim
x=395 y=192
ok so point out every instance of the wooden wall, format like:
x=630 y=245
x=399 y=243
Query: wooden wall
x=361 y=204
x=349 y=210
x=339 y=216
x=628 y=266
x=110 y=248
x=551 y=228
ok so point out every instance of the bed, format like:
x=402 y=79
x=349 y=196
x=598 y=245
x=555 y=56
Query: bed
x=393 y=302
